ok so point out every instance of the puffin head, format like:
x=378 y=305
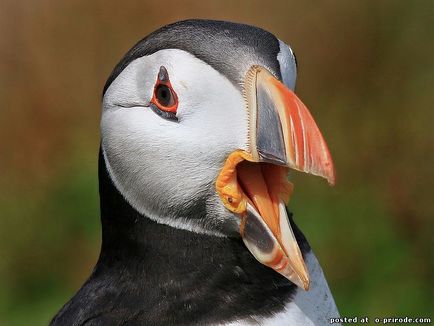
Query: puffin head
x=200 y=126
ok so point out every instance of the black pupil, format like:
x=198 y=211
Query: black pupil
x=164 y=96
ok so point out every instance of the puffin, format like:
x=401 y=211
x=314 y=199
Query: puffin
x=200 y=127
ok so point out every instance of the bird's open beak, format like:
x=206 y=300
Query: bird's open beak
x=254 y=183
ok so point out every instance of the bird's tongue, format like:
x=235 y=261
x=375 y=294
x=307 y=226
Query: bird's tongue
x=265 y=228
x=263 y=192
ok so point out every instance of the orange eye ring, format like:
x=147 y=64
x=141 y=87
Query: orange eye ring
x=164 y=97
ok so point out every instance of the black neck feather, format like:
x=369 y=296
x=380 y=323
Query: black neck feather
x=154 y=274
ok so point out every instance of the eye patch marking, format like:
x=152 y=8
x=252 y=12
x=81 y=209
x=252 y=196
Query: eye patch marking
x=164 y=97
x=164 y=101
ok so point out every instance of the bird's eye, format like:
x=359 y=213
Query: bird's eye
x=164 y=98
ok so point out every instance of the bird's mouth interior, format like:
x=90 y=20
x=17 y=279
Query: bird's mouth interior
x=263 y=185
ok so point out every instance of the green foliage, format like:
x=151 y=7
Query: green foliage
x=48 y=242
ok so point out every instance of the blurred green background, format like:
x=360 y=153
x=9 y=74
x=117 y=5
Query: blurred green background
x=365 y=71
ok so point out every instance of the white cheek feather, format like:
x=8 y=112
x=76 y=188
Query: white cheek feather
x=165 y=168
x=307 y=308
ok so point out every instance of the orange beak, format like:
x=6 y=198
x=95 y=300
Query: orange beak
x=254 y=183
